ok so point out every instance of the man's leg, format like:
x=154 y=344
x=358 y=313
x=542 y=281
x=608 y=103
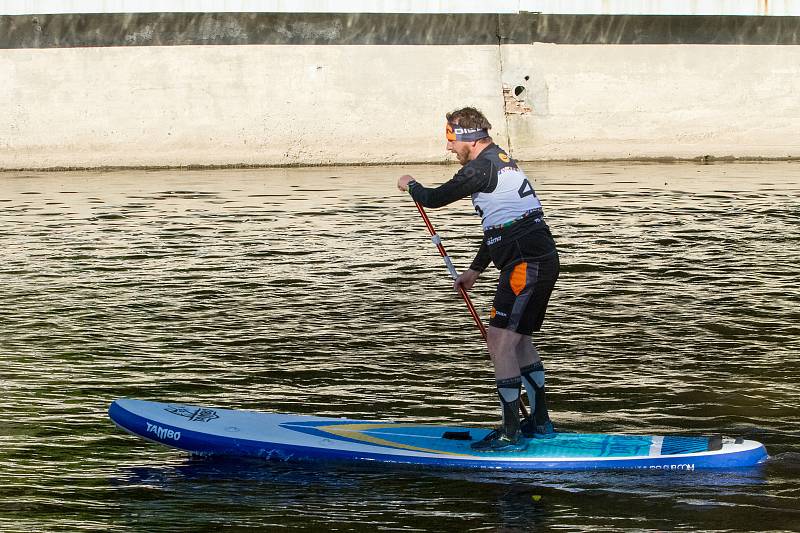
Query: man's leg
x=527 y=354
x=518 y=309
x=531 y=370
x=502 y=348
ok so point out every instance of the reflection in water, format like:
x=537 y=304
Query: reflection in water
x=317 y=291
x=337 y=497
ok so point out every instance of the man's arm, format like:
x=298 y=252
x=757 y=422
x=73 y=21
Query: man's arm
x=482 y=258
x=467 y=278
x=470 y=179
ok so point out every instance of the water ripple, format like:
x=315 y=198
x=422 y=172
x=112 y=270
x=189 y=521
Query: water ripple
x=302 y=291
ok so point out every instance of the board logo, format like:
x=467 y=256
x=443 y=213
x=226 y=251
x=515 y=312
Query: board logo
x=163 y=433
x=196 y=415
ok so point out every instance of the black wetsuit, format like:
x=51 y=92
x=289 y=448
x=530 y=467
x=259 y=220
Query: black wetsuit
x=506 y=241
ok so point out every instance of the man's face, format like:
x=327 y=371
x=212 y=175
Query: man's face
x=461 y=149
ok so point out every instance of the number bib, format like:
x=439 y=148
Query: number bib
x=512 y=197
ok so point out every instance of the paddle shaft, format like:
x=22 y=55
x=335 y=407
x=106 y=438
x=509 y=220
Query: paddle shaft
x=452 y=269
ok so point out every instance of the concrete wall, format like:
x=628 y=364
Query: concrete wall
x=227 y=105
x=324 y=98
x=665 y=101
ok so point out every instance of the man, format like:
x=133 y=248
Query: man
x=518 y=242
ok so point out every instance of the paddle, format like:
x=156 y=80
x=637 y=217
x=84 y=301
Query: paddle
x=452 y=269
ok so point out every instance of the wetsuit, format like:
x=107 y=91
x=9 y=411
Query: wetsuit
x=516 y=238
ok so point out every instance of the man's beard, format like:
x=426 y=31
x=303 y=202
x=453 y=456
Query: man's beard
x=463 y=156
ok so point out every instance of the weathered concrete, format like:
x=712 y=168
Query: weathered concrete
x=173 y=29
x=687 y=101
x=264 y=105
x=323 y=98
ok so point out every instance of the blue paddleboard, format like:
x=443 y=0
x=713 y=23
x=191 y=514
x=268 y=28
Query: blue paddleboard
x=225 y=432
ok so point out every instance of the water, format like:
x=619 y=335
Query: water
x=318 y=291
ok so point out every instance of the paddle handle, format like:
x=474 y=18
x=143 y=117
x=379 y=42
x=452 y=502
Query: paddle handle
x=437 y=241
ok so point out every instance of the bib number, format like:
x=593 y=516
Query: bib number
x=526 y=189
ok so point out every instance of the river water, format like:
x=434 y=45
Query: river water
x=318 y=291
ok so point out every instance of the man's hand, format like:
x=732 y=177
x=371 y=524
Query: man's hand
x=466 y=280
x=402 y=182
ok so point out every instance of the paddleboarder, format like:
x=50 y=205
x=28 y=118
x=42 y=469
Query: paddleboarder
x=519 y=243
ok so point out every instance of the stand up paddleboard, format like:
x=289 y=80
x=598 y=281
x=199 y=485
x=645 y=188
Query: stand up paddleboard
x=224 y=432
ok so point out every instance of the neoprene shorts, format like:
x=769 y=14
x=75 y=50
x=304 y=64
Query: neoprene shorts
x=523 y=293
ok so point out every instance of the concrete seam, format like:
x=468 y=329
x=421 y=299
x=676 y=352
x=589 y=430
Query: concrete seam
x=502 y=95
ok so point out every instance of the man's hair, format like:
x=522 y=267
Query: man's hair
x=469 y=117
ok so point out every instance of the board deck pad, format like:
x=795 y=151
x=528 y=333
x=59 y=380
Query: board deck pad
x=226 y=432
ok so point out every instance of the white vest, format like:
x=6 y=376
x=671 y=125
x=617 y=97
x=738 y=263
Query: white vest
x=511 y=199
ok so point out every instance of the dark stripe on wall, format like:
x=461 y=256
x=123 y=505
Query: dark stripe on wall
x=172 y=29
x=642 y=29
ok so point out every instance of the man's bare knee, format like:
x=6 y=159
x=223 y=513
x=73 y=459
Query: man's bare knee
x=502 y=341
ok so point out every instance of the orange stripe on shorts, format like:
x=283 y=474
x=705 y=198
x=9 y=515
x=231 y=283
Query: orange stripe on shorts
x=518 y=277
